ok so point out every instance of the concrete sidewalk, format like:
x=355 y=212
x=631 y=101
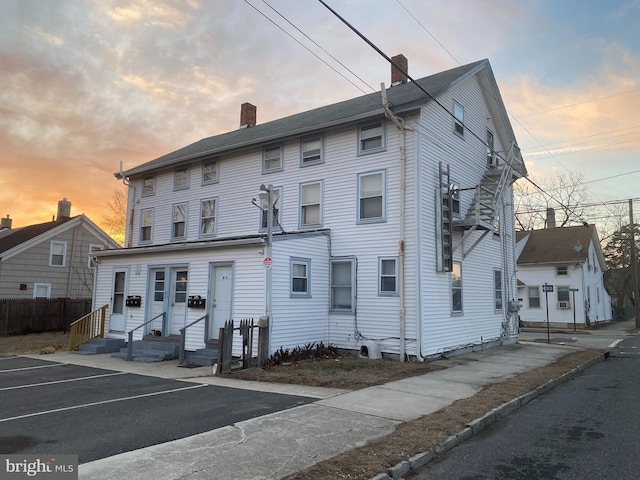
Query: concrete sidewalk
x=279 y=444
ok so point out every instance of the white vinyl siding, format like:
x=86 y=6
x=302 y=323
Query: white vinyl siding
x=272 y=159
x=58 y=254
x=311 y=205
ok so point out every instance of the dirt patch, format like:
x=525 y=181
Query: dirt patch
x=342 y=371
x=421 y=435
x=33 y=343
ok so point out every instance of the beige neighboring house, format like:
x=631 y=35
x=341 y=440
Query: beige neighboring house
x=52 y=259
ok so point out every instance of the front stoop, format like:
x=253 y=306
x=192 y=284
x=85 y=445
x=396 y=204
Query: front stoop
x=100 y=345
x=150 y=351
x=205 y=357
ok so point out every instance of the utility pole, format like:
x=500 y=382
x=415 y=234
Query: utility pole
x=634 y=264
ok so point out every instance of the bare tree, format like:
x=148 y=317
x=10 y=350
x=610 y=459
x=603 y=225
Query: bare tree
x=565 y=193
x=114 y=220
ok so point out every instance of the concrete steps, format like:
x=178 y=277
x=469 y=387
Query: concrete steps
x=205 y=357
x=148 y=351
x=100 y=345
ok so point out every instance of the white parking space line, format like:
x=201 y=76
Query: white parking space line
x=103 y=402
x=53 y=382
x=32 y=368
x=615 y=344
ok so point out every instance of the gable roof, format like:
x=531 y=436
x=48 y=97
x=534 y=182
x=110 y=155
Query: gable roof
x=401 y=98
x=19 y=239
x=557 y=245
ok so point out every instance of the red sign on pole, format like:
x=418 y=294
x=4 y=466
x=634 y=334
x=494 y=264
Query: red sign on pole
x=268 y=261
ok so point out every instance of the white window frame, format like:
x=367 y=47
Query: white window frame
x=93 y=247
x=529 y=297
x=143 y=226
x=304 y=206
x=203 y=219
x=455 y=288
x=308 y=156
x=352 y=286
x=181 y=178
x=364 y=135
x=149 y=186
x=458 y=119
x=210 y=168
x=266 y=157
x=497 y=289
x=277 y=214
x=383 y=179
x=297 y=261
x=382 y=275
x=52 y=253
x=174 y=223
x=36 y=286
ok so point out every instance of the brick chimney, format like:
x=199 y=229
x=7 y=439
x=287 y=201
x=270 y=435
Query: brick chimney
x=247 y=115
x=64 y=210
x=6 y=223
x=397 y=76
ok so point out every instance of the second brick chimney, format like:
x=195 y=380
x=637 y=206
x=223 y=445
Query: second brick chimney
x=247 y=115
x=6 y=223
x=397 y=76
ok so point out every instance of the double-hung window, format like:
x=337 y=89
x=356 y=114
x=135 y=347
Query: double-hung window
x=497 y=289
x=181 y=178
x=208 y=217
x=534 y=297
x=272 y=159
x=300 y=277
x=146 y=225
x=209 y=172
x=387 y=276
x=311 y=150
x=458 y=118
x=371 y=137
x=342 y=285
x=179 y=222
x=310 y=204
x=276 y=196
x=456 y=287
x=57 y=254
x=371 y=197
x=148 y=186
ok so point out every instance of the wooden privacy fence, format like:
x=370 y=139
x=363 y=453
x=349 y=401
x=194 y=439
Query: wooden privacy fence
x=246 y=332
x=20 y=316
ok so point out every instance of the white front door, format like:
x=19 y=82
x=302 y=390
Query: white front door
x=158 y=293
x=221 y=298
x=118 y=295
x=178 y=300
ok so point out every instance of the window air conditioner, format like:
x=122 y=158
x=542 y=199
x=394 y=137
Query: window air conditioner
x=563 y=304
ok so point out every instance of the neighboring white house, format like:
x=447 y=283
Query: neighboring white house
x=393 y=224
x=51 y=259
x=570 y=260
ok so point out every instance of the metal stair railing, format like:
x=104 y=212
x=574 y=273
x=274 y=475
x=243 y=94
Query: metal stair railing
x=183 y=337
x=89 y=326
x=130 y=333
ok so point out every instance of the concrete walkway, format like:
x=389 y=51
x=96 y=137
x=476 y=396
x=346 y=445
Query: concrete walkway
x=279 y=444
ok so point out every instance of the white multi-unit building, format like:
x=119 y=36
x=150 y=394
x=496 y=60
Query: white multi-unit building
x=392 y=224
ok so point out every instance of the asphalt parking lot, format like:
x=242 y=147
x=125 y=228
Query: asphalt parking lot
x=51 y=407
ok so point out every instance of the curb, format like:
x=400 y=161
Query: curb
x=480 y=424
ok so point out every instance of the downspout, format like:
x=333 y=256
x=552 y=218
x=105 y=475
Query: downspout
x=128 y=234
x=399 y=123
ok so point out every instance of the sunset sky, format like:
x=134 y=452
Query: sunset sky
x=87 y=84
